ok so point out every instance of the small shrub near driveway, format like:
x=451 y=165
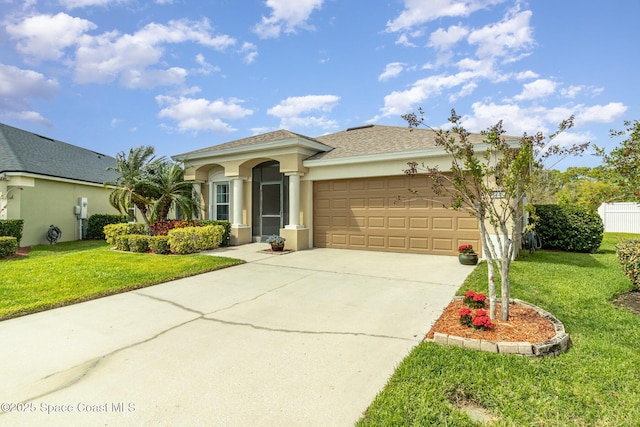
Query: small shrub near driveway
x=628 y=253
x=138 y=242
x=190 y=240
x=12 y=228
x=159 y=245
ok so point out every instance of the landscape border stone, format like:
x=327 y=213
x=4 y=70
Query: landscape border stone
x=553 y=347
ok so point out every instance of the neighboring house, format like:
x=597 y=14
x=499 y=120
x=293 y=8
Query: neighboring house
x=338 y=191
x=48 y=182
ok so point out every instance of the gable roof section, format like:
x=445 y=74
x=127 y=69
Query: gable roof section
x=22 y=151
x=251 y=143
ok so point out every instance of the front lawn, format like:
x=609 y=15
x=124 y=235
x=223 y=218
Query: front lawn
x=596 y=383
x=66 y=273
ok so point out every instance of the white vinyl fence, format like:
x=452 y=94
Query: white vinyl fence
x=620 y=217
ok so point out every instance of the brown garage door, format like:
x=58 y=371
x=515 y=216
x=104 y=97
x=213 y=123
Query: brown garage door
x=365 y=214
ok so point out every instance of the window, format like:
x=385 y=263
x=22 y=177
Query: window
x=220 y=201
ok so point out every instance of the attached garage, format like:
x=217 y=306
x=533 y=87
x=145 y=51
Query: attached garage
x=366 y=213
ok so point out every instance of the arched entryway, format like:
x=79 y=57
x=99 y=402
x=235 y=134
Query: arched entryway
x=270 y=200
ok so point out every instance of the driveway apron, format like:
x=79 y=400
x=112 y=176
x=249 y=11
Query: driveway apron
x=305 y=338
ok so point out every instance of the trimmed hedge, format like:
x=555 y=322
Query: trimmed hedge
x=138 y=242
x=226 y=237
x=628 y=253
x=8 y=246
x=190 y=240
x=162 y=228
x=96 y=223
x=12 y=228
x=569 y=228
x=112 y=231
x=159 y=245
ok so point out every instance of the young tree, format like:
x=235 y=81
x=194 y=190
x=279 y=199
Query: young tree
x=167 y=187
x=624 y=163
x=132 y=187
x=490 y=182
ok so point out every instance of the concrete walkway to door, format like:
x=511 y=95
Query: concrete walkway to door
x=302 y=339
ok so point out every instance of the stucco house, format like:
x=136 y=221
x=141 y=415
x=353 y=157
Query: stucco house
x=338 y=190
x=48 y=182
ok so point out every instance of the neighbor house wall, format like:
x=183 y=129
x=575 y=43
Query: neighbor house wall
x=51 y=202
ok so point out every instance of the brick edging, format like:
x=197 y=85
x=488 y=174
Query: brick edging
x=560 y=343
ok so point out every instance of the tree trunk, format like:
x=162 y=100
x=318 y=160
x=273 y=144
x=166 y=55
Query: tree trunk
x=488 y=254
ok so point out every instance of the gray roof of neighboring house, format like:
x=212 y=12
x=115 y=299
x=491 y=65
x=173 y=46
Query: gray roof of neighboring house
x=22 y=151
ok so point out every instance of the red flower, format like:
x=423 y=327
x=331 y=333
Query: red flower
x=470 y=294
x=481 y=322
x=481 y=313
x=479 y=298
x=464 y=312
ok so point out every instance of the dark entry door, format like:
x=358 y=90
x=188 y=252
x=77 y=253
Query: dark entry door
x=270 y=208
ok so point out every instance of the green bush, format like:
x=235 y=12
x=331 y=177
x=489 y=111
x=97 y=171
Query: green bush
x=159 y=245
x=569 y=228
x=190 y=240
x=8 y=246
x=112 y=231
x=122 y=242
x=12 y=228
x=226 y=237
x=96 y=223
x=138 y=242
x=628 y=253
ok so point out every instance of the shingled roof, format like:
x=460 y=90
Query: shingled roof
x=22 y=151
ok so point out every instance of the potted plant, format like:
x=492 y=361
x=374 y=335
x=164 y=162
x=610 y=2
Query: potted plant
x=276 y=242
x=467 y=256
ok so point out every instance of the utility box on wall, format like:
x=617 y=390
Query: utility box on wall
x=82 y=202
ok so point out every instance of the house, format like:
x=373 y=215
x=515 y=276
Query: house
x=48 y=182
x=342 y=190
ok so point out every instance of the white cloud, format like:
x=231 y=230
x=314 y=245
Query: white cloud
x=572 y=91
x=417 y=12
x=200 y=114
x=46 y=36
x=250 y=52
x=18 y=87
x=525 y=75
x=601 y=113
x=109 y=56
x=504 y=39
x=72 y=4
x=287 y=16
x=536 y=89
x=445 y=39
x=392 y=70
x=294 y=112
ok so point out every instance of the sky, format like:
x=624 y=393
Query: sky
x=181 y=75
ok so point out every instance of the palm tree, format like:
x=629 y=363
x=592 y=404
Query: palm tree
x=169 y=190
x=132 y=186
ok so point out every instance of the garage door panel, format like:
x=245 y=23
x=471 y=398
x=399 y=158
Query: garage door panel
x=369 y=214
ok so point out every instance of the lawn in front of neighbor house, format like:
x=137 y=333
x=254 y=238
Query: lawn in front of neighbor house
x=596 y=383
x=67 y=273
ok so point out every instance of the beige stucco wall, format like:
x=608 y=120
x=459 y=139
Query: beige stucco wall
x=51 y=202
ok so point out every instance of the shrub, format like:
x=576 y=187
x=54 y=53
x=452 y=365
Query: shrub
x=628 y=253
x=122 y=242
x=226 y=237
x=569 y=228
x=190 y=240
x=138 y=242
x=12 y=228
x=96 y=223
x=162 y=228
x=112 y=231
x=8 y=246
x=159 y=245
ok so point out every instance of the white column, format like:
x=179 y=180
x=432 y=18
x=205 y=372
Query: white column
x=237 y=202
x=294 y=201
x=197 y=188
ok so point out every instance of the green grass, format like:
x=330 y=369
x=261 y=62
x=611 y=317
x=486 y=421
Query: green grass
x=596 y=383
x=67 y=273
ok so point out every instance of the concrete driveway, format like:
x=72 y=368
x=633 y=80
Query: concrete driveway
x=305 y=338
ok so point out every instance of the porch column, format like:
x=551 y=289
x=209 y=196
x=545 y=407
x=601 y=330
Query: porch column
x=294 y=201
x=237 y=202
x=197 y=189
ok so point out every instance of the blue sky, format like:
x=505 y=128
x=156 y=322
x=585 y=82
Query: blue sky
x=182 y=75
